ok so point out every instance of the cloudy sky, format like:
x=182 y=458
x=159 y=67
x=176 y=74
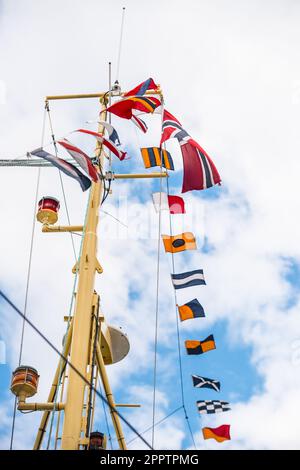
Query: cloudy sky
x=230 y=73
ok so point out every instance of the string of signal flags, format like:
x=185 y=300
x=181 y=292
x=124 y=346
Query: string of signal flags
x=199 y=173
x=193 y=309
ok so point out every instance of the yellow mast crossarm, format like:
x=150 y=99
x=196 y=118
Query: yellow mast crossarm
x=93 y=95
x=139 y=175
x=74 y=97
x=23 y=406
x=62 y=228
x=53 y=390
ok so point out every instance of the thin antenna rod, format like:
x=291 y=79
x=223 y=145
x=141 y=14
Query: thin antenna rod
x=109 y=103
x=120 y=44
x=109 y=87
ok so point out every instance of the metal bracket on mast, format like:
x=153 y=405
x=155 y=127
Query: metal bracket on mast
x=98 y=267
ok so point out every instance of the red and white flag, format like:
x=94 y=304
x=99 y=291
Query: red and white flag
x=107 y=143
x=139 y=123
x=81 y=158
x=173 y=204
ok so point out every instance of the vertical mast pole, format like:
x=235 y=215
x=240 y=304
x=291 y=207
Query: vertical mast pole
x=73 y=426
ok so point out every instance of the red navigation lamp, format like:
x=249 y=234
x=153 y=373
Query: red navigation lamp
x=97 y=441
x=24 y=382
x=48 y=210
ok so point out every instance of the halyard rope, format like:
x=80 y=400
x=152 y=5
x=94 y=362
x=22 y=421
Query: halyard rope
x=66 y=360
x=28 y=277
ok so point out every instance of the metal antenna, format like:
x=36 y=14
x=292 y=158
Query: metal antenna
x=120 y=44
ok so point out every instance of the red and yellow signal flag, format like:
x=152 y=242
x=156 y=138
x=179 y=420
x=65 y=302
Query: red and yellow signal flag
x=181 y=242
x=220 y=434
x=199 y=347
x=124 y=108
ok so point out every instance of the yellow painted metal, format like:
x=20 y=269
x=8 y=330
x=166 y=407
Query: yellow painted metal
x=72 y=428
x=47 y=216
x=88 y=405
x=121 y=176
x=94 y=399
x=108 y=392
x=74 y=421
x=74 y=97
x=84 y=441
x=99 y=268
x=92 y=95
x=23 y=406
x=105 y=344
x=62 y=389
x=79 y=341
x=52 y=394
x=62 y=228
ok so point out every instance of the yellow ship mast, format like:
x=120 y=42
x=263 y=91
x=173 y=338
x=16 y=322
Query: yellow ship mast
x=90 y=342
x=87 y=302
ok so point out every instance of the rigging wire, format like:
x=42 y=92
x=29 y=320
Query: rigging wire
x=53 y=412
x=75 y=256
x=157 y=423
x=120 y=43
x=93 y=379
x=70 y=316
x=113 y=217
x=106 y=420
x=62 y=370
x=178 y=335
x=60 y=178
x=19 y=160
x=156 y=312
x=28 y=277
x=62 y=389
x=66 y=360
x=109 y=103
